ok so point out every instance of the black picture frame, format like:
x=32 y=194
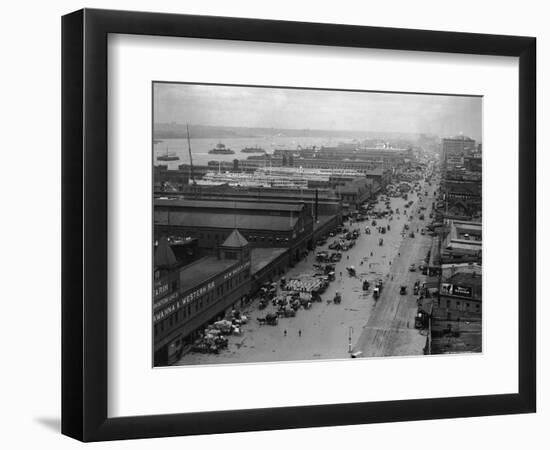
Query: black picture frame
x=84 y=224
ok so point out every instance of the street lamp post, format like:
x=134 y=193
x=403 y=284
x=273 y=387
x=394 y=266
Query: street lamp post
x=350 y=333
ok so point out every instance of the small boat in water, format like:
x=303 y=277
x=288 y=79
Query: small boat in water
x=168 y=157
x=221 y=149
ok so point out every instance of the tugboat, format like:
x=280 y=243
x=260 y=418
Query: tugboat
x=253 y=150
x=221 y=149
x=168 y=157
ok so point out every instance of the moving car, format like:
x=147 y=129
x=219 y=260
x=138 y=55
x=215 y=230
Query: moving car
x=412 y=268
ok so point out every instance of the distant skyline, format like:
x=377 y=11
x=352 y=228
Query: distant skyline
x=258 y=107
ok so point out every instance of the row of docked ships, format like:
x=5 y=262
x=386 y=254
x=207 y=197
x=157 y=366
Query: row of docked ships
x=276 y=177
x=220 y=149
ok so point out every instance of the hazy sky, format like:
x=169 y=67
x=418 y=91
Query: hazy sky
x=317 y=109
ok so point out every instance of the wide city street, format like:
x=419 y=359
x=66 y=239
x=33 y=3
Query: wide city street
x=375 y=327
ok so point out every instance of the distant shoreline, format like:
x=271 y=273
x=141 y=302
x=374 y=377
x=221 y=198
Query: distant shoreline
x=179 y=131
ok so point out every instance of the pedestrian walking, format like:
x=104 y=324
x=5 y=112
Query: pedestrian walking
x=285 y=333
x=299 y=333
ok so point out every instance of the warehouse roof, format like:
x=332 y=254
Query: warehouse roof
x=226 y=219
x=202 y=270
x=466 y=279
x=261 y=257
x=217 y=204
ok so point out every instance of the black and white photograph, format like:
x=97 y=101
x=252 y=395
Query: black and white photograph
x=275 y=225
x=299 y=224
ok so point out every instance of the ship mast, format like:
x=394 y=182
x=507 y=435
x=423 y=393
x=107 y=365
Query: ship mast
x=190 y=158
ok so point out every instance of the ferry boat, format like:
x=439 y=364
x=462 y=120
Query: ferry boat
x=221 y=149
x=168 y=157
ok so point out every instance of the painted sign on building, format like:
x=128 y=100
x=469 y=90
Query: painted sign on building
x=181 y=302
x=236 y=270
x=461 y=291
